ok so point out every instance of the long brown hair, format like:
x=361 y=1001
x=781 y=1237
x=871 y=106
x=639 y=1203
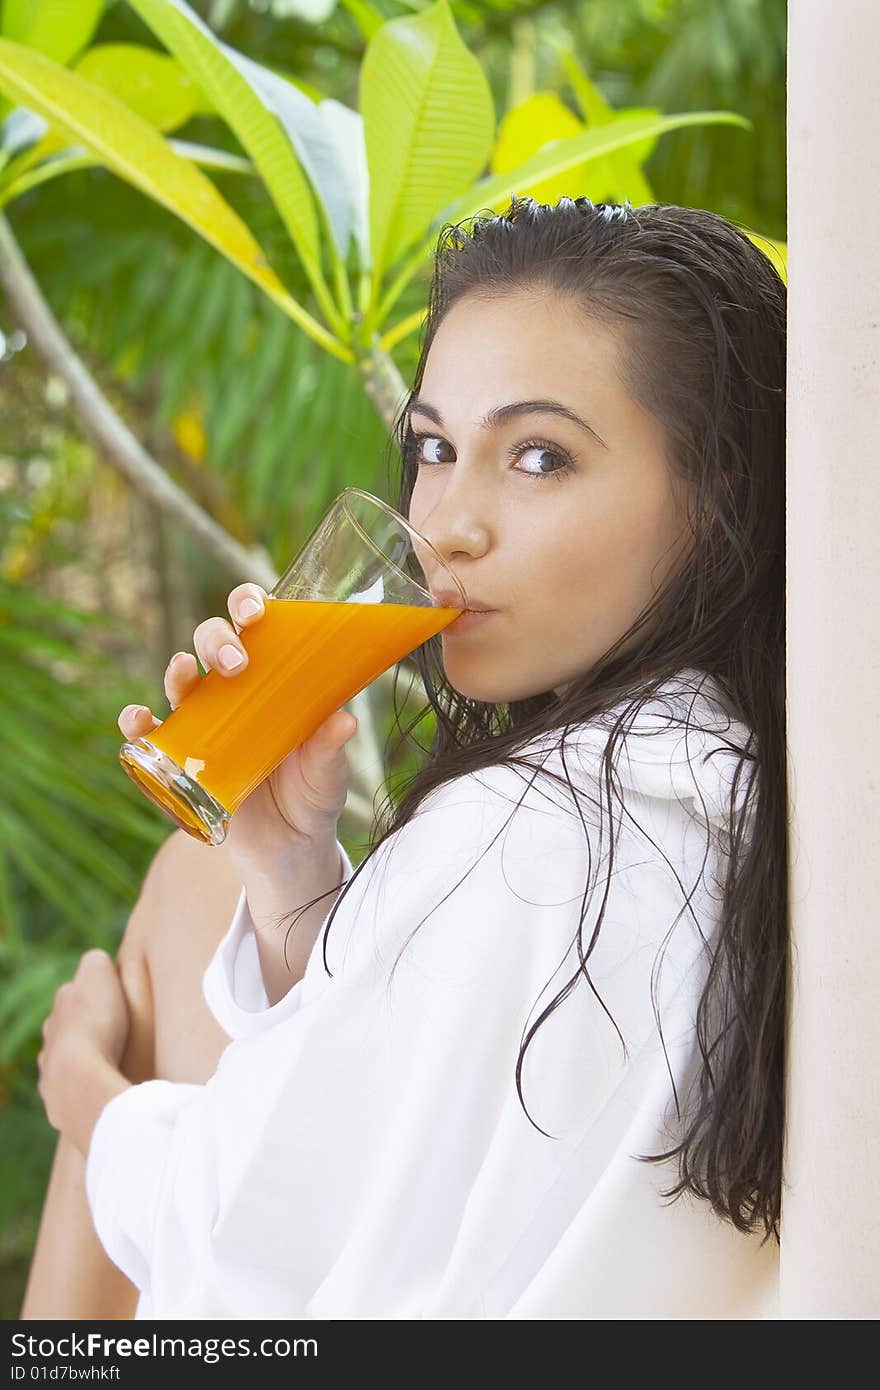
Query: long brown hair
x=703 y=314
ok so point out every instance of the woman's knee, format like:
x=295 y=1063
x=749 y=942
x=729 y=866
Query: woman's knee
x=138 y=1060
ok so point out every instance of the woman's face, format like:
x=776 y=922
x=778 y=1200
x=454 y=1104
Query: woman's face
x=567 y=539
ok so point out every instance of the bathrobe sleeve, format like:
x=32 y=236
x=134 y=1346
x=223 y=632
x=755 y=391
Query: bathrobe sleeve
x=233 y=985
x=368 y=1147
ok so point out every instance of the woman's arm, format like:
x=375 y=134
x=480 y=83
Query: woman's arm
x=283 y=958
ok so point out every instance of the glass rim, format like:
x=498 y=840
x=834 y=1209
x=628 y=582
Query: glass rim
x=344 y=496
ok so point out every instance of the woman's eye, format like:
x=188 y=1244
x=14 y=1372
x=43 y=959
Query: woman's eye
x=421 y=441
x=552 y=465
x=429 y=449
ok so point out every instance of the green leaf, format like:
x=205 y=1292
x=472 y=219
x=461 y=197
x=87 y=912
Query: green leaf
x=58 y=28
x=493 y=193
x=70 y=161
x=152 y=84
x=269 y=354
x=26 y=1000
x=428 y=125
x=208 y=314
x=264 y=111
x=133 y=149
x=597 y=111
x=344 y=129
x=526 y=128
x=619 y=175
x=167 y=325
x=45 y=867
x=143 y=294
x=56 y=798
x=210 y=158
x=127 y=144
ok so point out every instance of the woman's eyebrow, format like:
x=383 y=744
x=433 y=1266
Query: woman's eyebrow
x=500 y=414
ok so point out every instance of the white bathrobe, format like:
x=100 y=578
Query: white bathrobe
x=361 y=1151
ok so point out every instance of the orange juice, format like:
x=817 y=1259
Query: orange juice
x=305 y=659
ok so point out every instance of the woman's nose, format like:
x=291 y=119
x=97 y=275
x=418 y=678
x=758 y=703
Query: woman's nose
x=456 y=522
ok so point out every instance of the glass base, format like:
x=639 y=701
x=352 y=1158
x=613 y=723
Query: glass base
x=181 y=798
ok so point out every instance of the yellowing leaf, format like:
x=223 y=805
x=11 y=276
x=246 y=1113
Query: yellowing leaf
x=775 y=251
x=189 y=432
x=125 y=143
x=562 y=155
x=526 y=129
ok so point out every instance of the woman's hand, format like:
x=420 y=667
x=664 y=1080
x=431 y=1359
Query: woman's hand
x=299 y=804
x=84 y=1038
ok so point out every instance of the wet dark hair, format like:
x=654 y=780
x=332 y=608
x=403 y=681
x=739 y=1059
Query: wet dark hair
x=702 y=313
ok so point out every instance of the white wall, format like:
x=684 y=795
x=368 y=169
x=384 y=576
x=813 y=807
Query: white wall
x=831 y=1206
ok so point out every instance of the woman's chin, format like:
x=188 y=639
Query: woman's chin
x=476 y=686
x=487 y=692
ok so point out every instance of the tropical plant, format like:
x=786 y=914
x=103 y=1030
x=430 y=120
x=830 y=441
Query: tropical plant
x=360 y=195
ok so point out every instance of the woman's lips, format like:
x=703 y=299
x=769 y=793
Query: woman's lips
x=468 y=620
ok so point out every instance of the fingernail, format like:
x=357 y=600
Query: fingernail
x=248 y=607
x=131 y=710
x=229 y=657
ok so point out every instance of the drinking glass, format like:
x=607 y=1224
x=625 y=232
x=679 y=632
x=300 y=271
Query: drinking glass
x=352 y=602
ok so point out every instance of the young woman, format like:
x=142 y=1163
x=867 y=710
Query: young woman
x=532 y=1066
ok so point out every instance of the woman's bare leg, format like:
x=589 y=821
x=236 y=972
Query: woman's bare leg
x=186 y=904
